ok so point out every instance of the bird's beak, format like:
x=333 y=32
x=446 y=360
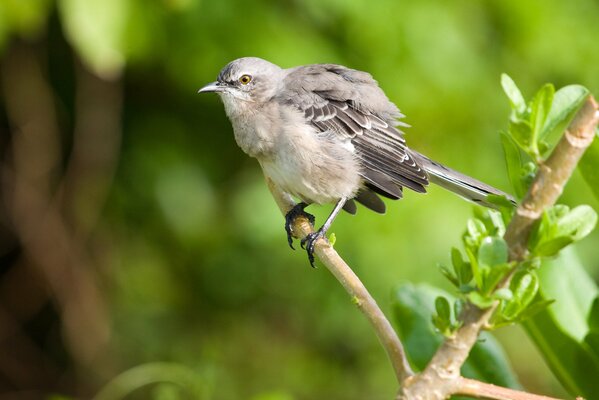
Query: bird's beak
x=213 y=87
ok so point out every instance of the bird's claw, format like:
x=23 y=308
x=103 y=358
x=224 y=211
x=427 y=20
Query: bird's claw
x=309 y=242
x=296 y=211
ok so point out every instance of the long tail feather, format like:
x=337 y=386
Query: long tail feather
x=458 y=183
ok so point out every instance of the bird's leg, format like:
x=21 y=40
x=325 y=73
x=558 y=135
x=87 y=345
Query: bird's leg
x=310 y=240
x=295 y=212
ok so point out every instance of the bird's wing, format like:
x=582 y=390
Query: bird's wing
x=350 y=103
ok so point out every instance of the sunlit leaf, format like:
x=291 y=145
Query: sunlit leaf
x=513 y=160
x=480 y=300
x=492 y=251
x=578 y=223
x=513 y=93
x=540 y=107
x=566 y=102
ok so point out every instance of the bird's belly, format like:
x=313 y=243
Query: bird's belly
x=314 y=169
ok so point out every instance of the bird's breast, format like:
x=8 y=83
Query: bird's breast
x=253 y=128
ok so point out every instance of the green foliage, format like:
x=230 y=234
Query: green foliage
x=572 y=329
x=530 y=125
x=558 y=227
x=566 y=332
x=571 y=325
x=443 y=320
x=413 y=305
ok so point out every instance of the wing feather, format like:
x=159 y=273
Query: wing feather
x=350 y=104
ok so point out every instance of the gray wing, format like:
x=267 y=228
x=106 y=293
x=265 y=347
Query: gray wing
x=350 y=103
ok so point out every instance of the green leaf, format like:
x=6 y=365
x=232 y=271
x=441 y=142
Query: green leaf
x=513 y=93
x=492 y=276
x=476 y=271
x=413 y=305
x=442 y=318
x=559 y=226
x=560 y=330
x=578 y=223
x=524 y=286
x=449 y=275
x=540 y=107
x=492 y=251
x=462 y=269
x=521 y=131
x=442 y=307
x=503 y=294
x=566 y=102
x=476 y=230
x=589 y=166
x=480 y=300
x=534 y=308
x=551 y=247
x=513 y=160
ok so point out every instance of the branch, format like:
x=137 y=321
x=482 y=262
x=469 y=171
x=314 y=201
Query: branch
x=441 y=378
x=481 y=390
x=352 y=284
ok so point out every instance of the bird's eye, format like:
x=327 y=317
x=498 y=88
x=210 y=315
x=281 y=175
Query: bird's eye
x=245 y=79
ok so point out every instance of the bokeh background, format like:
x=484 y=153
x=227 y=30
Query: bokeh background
x=133 y=230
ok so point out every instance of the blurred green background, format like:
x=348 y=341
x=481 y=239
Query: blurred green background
x=133 y=230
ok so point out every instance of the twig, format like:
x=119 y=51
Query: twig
x=441 y=378
x=552 y=177
x=354 y=287
x=481 y=390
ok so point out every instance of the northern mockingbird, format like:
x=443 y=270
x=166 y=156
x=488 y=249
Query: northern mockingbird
x=326 y=133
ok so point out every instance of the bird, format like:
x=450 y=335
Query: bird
x=326 y=133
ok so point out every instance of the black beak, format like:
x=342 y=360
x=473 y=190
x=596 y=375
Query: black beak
x=213 y=87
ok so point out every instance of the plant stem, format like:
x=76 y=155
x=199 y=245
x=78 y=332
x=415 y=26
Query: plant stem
x=353 y=286
x=441 y=377
x=481 y=390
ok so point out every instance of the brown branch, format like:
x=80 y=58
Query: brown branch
x=441 y=378
x=354 y=287
x=481 y=390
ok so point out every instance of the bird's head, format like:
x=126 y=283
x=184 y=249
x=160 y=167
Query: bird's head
x=246 y=79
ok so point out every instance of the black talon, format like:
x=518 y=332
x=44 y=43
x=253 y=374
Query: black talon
x=295 y=212
x=309 y=242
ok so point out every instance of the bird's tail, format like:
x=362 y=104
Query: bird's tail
x=458 y=183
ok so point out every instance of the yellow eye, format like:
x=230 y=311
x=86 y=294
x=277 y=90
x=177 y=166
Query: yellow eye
x=245 y=79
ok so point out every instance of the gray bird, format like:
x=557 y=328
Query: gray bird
x=325 y=133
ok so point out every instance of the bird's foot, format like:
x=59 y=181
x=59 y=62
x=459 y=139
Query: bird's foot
x=296 y=211
x=309 y=242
